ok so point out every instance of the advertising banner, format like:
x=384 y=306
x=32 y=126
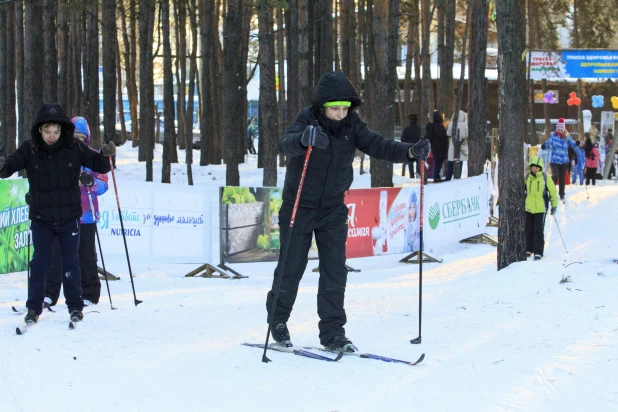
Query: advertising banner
x=573 y=64
x=162 y=222
x=380 y=221
x=14 y=226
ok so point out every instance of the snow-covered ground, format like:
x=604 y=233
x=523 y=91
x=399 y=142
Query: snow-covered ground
x=517 y=339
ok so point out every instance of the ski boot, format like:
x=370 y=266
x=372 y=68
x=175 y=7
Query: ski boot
x=76 y=315
x=31 y=317
x=341 y=344
x=281 y=334
x=528 y=254
x=538 y=257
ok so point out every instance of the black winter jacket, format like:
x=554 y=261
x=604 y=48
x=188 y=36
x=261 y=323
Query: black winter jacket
x=330 y=172
x=53 y=170
x=436 y=133
x=411 y=134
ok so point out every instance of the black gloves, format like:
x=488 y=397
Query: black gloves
x=314 y=136
x=543 y=146
x=108 y=149
x=2 y=161
x=420 y=150
x=86 y=179
x=553 y=211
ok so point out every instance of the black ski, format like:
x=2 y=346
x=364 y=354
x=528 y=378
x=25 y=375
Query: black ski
x=299 y=352
x=21 y=312
x=72 y=325
x=369 y=356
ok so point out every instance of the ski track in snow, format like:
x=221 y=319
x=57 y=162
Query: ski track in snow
x=514 y=340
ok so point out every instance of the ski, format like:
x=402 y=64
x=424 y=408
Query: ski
x=299 y=352
x=72 y=325
x=21 y=329
x=21 y=312
x=369 y=356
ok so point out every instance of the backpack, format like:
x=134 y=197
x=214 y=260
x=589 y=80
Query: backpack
x=545 y=190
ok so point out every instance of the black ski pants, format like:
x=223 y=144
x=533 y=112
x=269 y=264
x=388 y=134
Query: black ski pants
x=331 y=231
x=43 y=236
x=558 y=174
x=91 y=284
x=535 y=236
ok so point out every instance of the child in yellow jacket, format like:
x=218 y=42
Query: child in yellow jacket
x=539 y=191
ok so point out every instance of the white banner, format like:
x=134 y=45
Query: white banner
x=455 y=210
x=162 y=222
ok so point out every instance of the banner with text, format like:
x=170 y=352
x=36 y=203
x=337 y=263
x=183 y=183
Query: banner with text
x=14 y=226
x=162 y=222
x=380 y=221
x=572 y=64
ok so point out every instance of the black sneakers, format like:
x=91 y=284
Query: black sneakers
x=31 y=317
x=76 y=315
x=281 y=334
x=341 y=344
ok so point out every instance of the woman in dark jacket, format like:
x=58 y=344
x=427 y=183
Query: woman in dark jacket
x=412 y=134
x=53 y=159
x=436 y=133
x=334 y=129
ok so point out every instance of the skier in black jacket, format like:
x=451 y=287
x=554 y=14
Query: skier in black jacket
x=334 y=129
x=53 y=160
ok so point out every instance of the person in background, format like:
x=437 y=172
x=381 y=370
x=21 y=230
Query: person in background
x=53 y=159
x=594 y=133
x=580 y=162
x=250 y=137
x=436 y=133
x=539 y=192
x=412 y=134
x=334 y=130
x=92 y=185
x=592 y=162
x=558 y=144
x=460 y=137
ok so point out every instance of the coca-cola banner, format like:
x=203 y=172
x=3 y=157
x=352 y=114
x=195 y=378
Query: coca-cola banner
x=380 y=221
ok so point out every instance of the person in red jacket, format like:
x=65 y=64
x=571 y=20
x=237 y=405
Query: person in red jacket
x=592 y=162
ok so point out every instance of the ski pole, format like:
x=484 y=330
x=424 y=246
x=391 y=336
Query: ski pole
x=587 y=195
x=417 y=340
x=558 y=226
x=283 y=258
x=96 y=232
x=124 y=237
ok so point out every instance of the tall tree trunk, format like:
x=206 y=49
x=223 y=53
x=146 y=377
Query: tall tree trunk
x=268 y=128
x=412 y=36
x=366 y=23
x=50 y=67
x=347 y=37
x=336 y=36
x=292 y=58
x=546 y=111
x=132 y=76
x=325 y=35
x=446 y=74
x=281 y=59
x=477 y=89
x=190 y=102
x=181 y=68
x=123 y=127
x=216 y=74
x=8 y=119
x=511 y=233
x=460 y=85
x=109 y=69
x=19 y=75
x=168 y=94
x=383 y=76
x=146 y=86
x=91 y=73
x=234 y=73
x=33 y=75
x=426 y=60
x=127 y=54
x=62 y=84
x=443 y=75
x=206 y=9
x=305 y=93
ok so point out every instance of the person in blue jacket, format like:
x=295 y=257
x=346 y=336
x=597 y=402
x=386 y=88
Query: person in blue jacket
x=558 y=144
x=578 y=169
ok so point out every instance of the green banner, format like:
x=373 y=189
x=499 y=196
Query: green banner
x=14 y=226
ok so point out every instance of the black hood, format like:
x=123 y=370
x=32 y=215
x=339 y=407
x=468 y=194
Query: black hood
x=52 y=113
x=335 y=86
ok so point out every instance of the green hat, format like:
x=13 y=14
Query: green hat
x=340 y=103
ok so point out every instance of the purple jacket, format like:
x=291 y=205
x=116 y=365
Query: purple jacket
x=99 y=187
